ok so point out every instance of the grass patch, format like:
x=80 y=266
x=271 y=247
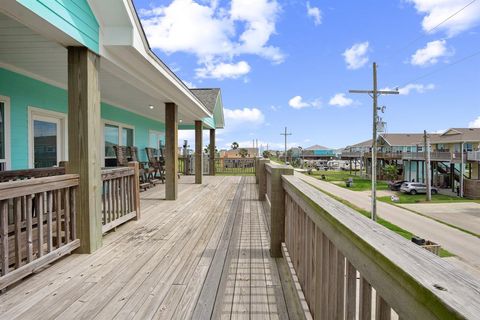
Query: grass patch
x=390 y=226
x=340 y=177
x=421 y=198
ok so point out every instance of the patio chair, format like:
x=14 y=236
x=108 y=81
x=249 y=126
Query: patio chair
x=157 y=164
x=147 y=171
x=121 y=154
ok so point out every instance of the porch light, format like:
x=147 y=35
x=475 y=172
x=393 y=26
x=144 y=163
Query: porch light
x=180 y=120
x=151 y=107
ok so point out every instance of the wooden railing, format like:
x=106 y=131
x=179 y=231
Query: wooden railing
x=349 y=267
x=37 y=224
x=14 y=175
x=120 y=196
x=473 y=155
x=235 y=166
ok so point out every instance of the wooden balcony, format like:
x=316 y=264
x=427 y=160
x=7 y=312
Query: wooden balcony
x=228 y=249
x=205 y=255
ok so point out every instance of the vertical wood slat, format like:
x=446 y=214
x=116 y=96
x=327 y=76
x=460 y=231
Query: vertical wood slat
x=340 y=285
x=28 y=218
x=58 y=210
x=318 y=273
x=365 y=312
x=73 y=197
x=332 y=283
x=17 y=211
x=66 y=214
x=49 y=221
x=4 y=254
x=351 y=295
x=325 y=281
x=39 y=209
x=382 y=310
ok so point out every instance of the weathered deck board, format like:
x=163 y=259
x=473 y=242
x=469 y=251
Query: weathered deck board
x=203 y=256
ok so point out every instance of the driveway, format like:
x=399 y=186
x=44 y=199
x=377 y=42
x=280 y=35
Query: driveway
x=462 y=244
x=465 y=215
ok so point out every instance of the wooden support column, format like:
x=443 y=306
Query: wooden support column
x=84 y=134
x=171 y=151
x=262 y=178
x=212 y=152
x=277 y=209
x=198 y=151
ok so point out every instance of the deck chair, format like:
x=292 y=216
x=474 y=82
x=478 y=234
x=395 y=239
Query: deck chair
x=121 y=154
x=158 y=165
x=148 y=171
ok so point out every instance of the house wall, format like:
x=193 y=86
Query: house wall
x=74 y=17
x=24 y=92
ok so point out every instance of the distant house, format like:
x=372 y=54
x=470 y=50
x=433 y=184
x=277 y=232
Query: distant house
x=235 y=153
x=454 y=151
x=315 y=152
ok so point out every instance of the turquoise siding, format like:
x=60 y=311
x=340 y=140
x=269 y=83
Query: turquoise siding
x=24 y=92
x=74 y=17
x=324 y=152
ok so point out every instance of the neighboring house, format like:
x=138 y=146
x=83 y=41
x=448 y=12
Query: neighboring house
x=234 y=153
x=318 y=152
x=406 y=150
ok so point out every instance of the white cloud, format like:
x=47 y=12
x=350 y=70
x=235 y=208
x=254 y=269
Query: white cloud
x=223 y=70
x=475 y=123
x=417 y=87
x=436 y=11
x=297 y=102
x=431 y=53
x=356 y=56
x=339 y=100
x=244 y=116
x=315 y=13
x=215 y=34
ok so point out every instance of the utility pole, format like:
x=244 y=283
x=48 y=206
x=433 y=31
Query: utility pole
x=462 y=170
x=426 y=152
x=285 y=134
x=374 y=94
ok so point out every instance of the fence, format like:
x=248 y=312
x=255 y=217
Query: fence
x=349 y=267
x=120 y=196
x=235 y=166
x=37 y=224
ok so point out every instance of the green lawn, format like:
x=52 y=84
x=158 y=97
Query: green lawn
x=402 y=232
x=340 y=177
x=421 y=198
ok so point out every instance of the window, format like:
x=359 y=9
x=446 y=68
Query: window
x=4 y=134
x=156 y=140
x=115 y=134
x=47 y=137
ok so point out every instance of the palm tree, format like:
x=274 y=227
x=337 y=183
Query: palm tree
x=235 y=145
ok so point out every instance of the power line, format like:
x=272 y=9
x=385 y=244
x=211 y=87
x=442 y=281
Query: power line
x=435 y=27
x=447 y=66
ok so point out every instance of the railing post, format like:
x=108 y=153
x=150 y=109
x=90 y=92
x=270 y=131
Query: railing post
x=277 y=210
x=257 y=171
x=262 y=178
x=136 y=188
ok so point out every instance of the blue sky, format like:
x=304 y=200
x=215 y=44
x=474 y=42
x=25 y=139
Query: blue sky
x=291 y=63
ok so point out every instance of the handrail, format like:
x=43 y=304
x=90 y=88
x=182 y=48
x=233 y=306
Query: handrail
x=325 y=238
x=37 y=224
x=14 y=175
x=120 y=195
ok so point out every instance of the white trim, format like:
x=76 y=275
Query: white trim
x=62 y=140
x=120 y=126
x=6 y=116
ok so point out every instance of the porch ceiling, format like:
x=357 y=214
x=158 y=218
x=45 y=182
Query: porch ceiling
x=31 y=54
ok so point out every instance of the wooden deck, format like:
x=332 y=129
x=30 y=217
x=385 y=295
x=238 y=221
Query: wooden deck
x=203 y=256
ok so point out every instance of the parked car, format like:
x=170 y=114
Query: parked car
x=415 y=187
x=395 y=185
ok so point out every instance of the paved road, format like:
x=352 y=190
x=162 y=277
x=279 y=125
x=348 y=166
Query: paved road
x=465 y=246
x=465 y=215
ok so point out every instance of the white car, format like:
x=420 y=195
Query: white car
x=416 y=187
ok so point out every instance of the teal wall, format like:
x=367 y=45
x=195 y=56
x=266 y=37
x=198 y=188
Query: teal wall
x=24 y=92
x=74 y=17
